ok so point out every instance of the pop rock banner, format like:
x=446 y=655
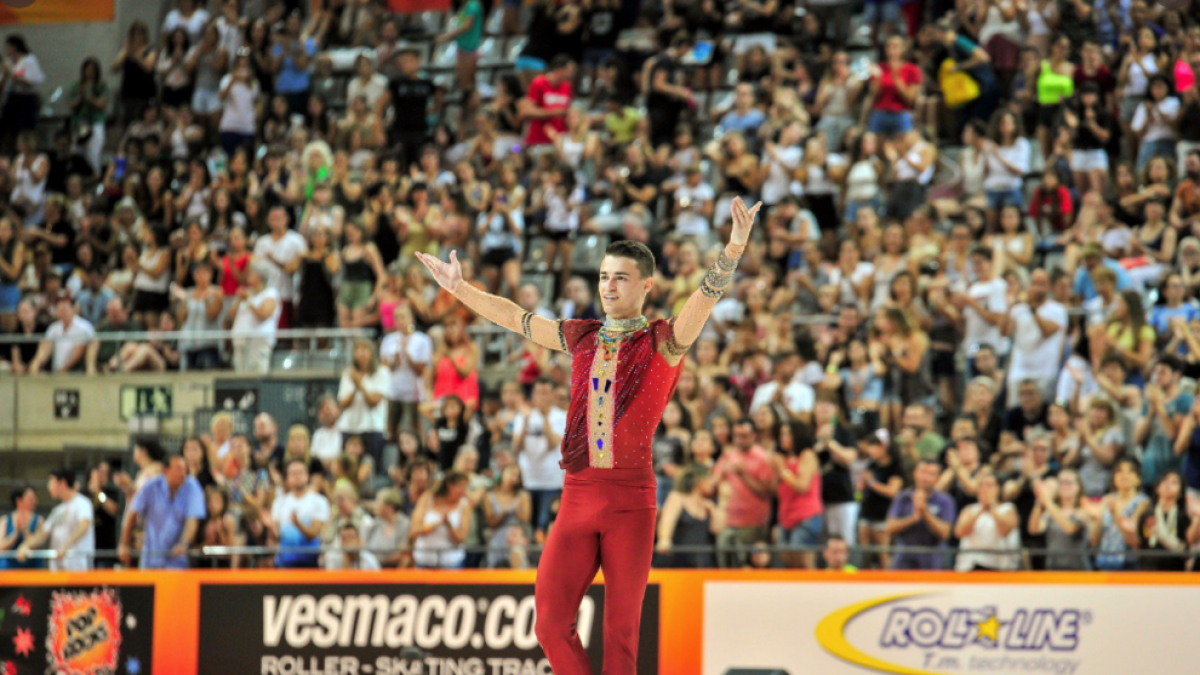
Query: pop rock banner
x=948 y=629
x=392 y=629
x=76 y=630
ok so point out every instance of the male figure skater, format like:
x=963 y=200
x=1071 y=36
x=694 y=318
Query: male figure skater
x=623 y=372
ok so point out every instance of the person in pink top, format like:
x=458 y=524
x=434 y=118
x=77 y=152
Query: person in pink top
x=746 y=467
x=799 y=488
x=545 y=104
x=893 y=91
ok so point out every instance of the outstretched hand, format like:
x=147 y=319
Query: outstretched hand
x=743 y=221
x=448 y=275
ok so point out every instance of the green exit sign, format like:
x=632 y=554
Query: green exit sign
x=153 y=401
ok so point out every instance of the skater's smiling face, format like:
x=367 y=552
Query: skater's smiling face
x=623 y=287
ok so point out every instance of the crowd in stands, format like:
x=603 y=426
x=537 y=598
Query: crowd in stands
x=968 y=326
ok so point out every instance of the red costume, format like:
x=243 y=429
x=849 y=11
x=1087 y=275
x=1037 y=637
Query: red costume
x=606 y=517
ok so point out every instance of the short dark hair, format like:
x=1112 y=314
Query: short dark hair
x=66 y=476
x=560 y=61
x=153 y=448
x=744 y=421
x=1171 y=361
x=18 y=494
x=635 y=251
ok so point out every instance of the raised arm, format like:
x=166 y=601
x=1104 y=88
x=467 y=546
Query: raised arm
x=500 y=311
x=691 y=319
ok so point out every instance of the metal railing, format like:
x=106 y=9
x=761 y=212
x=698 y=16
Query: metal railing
x=188 y=339
x=856 y=552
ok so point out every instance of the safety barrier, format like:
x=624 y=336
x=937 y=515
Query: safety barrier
x=693 y=623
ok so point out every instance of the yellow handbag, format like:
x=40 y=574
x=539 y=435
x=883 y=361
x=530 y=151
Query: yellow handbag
x=958 y=88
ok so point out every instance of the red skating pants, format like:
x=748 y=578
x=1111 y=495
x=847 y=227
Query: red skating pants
x=601 y=524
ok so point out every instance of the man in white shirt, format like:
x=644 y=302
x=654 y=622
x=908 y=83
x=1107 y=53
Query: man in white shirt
x=694 y=206
x=793 y=394
x=283 y=250
x=407 y=352
x=327 y=439
x=256 y=309
x=68 y=529
x=537 y=440
x=66 y=340
x=1038 y=328
x=983 y=306
x=297 y=519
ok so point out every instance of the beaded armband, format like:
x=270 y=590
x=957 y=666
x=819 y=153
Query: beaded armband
x=719 y=277
x=526 y=319
x=671 y=347
x=562 y=339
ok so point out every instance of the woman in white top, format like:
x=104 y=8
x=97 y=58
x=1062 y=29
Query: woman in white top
x=256 y=309
x=1142 y=62
x=837 y=96
x=913 y=161
x=28 y=174
x=863 y=178
x=1154 y=122
x=440 y=524
x=1006 y=161
x=239 y=94
x=987 y=525
x=362 y=397
x=21 y=74
x=152 y=283
x=779 y=163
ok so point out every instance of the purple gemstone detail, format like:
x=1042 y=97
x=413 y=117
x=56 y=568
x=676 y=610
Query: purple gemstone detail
x=607 y=385
x=600 y=443
x=595 y=383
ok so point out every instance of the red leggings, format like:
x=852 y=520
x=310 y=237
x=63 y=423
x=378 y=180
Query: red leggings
x=601 y=524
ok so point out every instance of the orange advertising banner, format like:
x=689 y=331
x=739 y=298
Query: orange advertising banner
x=471 y=622
x=57 y=11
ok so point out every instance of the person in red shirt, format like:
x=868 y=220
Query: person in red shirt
x=623 y=372
x=894 y=86
x=1052 y=206
x=546 y=102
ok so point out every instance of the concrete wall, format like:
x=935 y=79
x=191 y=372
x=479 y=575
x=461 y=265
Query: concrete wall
x=61 y=47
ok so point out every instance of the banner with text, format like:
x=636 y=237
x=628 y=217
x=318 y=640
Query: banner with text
x=393 y=629
x=968 y=628
x=76 y=630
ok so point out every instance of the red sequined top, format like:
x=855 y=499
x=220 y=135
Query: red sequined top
x=618 y=394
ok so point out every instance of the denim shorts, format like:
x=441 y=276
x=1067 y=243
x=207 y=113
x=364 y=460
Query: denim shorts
x=806 y=532
x=875 y=12
x=10 y=297
x=530 y=63
x=998 y=199
x=891 y=122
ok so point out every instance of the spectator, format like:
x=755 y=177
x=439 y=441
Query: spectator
x=989 y=526
x=798 y=398
x=282 y=250
x=921 y=516
x=1038 y=327
x=507 y=506
x=346 y=511
x=1165 y=408
x=441 y=521
x=799 y=494
x=537 y=435
x=20 y=525
x=67 y=530
x=268 y=451
x=169 y=508
x=298 y=517
x=239 y=93
x=387 y=536
x=21 y=75
x=354 y=556
x=407 y=353
x=1060 y=515
x=361 y=397
x=837 y=554
x=747 y=469
x=689 y=519
x=88 y=99
x=1121 y=512
x=66 y=341
x=894 y=87
x=1169 y=526
x=199 y=310
x=547 y=100
x=327 y=439
x=882 y=480
x=257 y=310
x=455 y=367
